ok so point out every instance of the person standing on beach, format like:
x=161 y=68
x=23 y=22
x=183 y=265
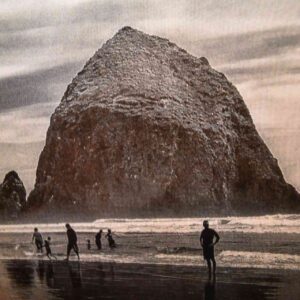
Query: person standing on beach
x=72 y=241
x=38 y=239
x=207 y=242
x=111 y=241
x=98 y=239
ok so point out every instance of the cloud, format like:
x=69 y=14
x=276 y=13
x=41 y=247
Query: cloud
x=250 y=45
x=40 y=86
x=51 y=29
x=26 y=124
x=22 y=138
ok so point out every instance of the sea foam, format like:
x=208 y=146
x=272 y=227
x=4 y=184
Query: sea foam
x=256 y=224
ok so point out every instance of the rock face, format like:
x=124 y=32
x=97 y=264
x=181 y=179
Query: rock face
x=12 y=195
x=146 y=128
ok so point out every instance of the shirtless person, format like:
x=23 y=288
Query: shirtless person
x=207 y=242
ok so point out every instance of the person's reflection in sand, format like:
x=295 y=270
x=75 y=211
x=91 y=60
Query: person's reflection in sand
x=40 y=270
x=50 y=275
x=112 y=271
x=100 y=272
x=75 y=275
x=209 y=289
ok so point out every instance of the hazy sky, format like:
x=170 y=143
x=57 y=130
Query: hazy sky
x=43 y=44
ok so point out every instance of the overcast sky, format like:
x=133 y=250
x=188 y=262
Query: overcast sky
x=43 y=44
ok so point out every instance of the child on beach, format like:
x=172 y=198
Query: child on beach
x=48 y=249
x=88 y=244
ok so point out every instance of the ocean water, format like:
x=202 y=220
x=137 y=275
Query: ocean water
x=264 y=242
x=289 y=223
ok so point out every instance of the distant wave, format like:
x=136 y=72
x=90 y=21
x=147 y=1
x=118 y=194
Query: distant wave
x=261 y=224
x=178 y=250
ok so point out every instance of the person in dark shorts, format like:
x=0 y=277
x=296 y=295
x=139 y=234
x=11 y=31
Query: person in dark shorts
x=48 y=248
x=38 y=239
x=72 y=241
x=111 y=241
x=98 y=239
x=207 y=242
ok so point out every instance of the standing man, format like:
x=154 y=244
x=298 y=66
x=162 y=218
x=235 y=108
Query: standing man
x=38 y=239
x=207 y=242
x=98 y=239
x=72 y=241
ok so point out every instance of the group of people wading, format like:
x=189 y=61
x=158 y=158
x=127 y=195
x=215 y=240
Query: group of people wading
x=72 y=242
x=208 y=239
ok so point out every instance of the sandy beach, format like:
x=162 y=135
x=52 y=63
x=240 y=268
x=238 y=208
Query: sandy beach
x=257 y=257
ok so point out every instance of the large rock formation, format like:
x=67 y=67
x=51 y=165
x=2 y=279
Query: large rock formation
x=12 y=195
x=146 y=127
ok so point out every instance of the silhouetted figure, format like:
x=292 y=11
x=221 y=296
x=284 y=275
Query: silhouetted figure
x=98 y=237
x=207 y=242
x=38 y=239
x=48 y=248
x=111 y=242
x=88 y=244
x=72 y=241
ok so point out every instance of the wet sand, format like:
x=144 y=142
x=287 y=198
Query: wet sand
x=36 y=280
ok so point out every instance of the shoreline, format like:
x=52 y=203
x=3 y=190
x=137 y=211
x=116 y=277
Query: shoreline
x=201 y=270
x=45 y=259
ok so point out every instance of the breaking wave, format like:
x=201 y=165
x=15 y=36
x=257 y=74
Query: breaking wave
x=261 y=224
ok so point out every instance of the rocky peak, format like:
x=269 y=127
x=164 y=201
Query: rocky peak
x=146 y=128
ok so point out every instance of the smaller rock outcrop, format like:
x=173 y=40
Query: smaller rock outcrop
x=12 y=195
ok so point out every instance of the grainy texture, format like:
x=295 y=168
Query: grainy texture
x=147 y=128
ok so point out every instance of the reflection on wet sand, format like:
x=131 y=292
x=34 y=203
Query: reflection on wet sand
x=209 y=289
x=22 y=275
x=80 y=281
x=75 y=275
x=50 y=275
